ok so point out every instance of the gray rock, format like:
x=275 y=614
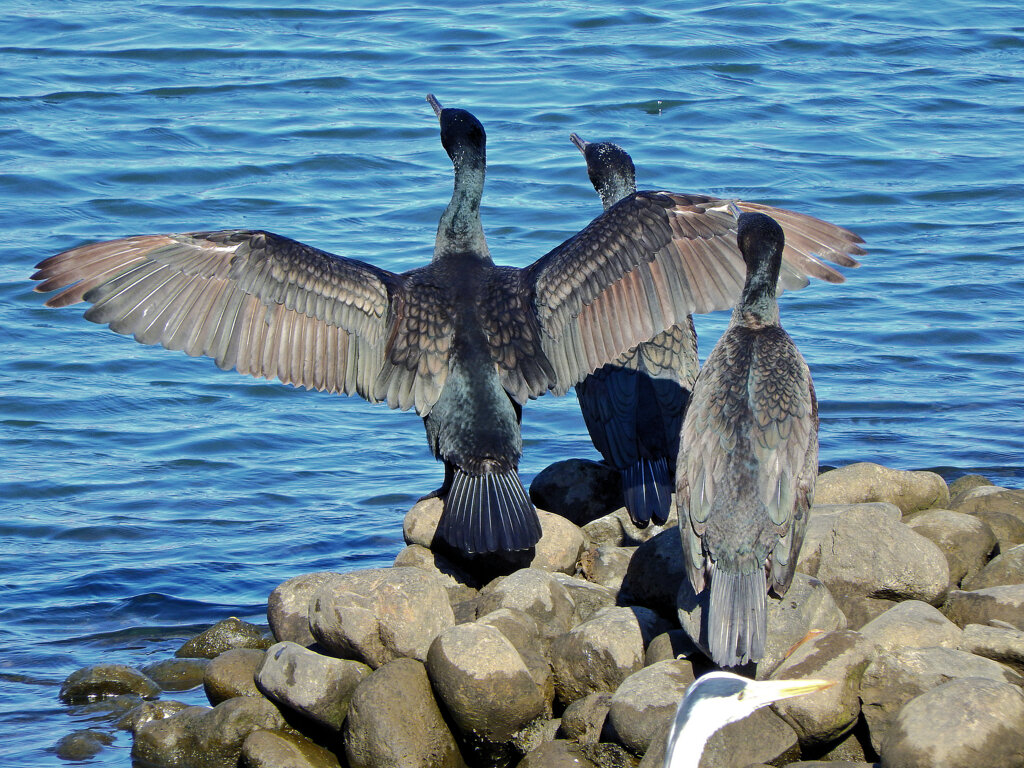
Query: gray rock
x=827 y=715
x=110 y=708
x=485 y=687
x=655 y=572
x=599 y=654
x=461 y=585
x=223 y=636
x=912 y=623
x=997 y=643
x=605 y=531
x=587 y=598
x=674 y=644
x=284 y=749
x=966 y=483
x=421 y=521
x=560 y=544
x=983 y=606
x=380 y=614
x=395 y=721
x=965 y=722
x=646 y=701
x=965 y=540
x=288 y=607
x=79 y=746
x=557 y=754
x=318 y=687
x=865 y=482
x=1008 y=501
x=139 y=715
x=583 y=720
x=537 y=593
x=885 y=508
x=606 y=565
x=1008 y=529
x=577 y=489
x=231 y=674
x=831 y=764
x=1007 y=568
x=102 y=681
x=895 y=677
x=177 y=674
x=521 y=630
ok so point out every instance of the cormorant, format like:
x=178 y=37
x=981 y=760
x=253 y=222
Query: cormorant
x=748 y=459
x=463 y=341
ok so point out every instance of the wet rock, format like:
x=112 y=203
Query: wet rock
x=395 y=721
x=147 y=711
x=965 y=722
x=606 y=565
x=866 y=482
x=912 y=623
x=231 y=674
x=1003 y=500
x=380 y=614
x=223 y=636
x=587 y=598
x=997 y=643
x=645 y=702
x=599 y=654
x=556 y=754
x=1007 y=568
x=485 y=687
x=983 y=606
x=110 y=708
x=316 y=686
x=288 y=607
x=966 y=483
x=283 y=749
x=673 y=644
x=895 y=677
x=1008 y=529
x=537 y=593
x=583 y=720
x=655 y=572
x=461 y=585
x=560 y=544
x=79 y=746
x=102 y=681
x=827 y=715
x=177 y=674
x=965 y=540
x=577 y=489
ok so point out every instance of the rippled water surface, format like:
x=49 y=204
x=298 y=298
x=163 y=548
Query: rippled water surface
x=146 y=494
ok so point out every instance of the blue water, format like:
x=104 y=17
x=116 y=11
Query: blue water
x=147 y=494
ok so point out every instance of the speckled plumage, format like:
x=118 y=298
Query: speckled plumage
x=749 y=459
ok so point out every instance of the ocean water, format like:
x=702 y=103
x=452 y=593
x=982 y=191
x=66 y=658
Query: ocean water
x=147 y=494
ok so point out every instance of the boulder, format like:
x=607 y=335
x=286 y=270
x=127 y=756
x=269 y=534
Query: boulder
x=655 y=572
x=139 y=715
x=521 y=630
x=223 y=636
x=101 y=681
x=421 y=521
x=583 y=720
x=577 y=489
x=284 y=749
x=997 y=643
x=461 y=585
x=865 y=482
x=558 y=753
x=1008 y=529
x=967 y=482
x=984 y=606
x=965 y=540
x=380 y=614
x=231 y=674
x=674 y=644
x=79 y=746
x=177 y=674
x=560 y=544
x=537 y=593
x=587 y=598
x=1008 y=501
x=645 y=701
x=606 y=565
x=1005 y=569
x=288 y=607
x=912 y=623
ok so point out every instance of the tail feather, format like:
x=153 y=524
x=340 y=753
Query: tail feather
x=647 y=491
x=490 y=512
x=737 y=616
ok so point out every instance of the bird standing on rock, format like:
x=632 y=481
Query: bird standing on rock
x=749 y=459
x=463 y=341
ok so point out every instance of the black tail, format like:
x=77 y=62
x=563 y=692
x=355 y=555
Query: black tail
x=647 y=491
x=737 y=617
x=488 y=513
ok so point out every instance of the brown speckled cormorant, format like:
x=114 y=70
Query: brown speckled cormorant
x=749 y=458
x=463 y=341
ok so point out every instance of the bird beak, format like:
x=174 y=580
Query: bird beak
x=581 y=145
x=434 y=104
x=775 y=690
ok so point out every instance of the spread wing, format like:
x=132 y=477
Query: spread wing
x=252 y=300
x=651 y=260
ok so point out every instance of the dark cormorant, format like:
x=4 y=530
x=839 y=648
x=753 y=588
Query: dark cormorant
x=749 y=458
x=464 y=342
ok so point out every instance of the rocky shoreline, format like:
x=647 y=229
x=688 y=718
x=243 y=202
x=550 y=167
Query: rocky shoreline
x=909 y=593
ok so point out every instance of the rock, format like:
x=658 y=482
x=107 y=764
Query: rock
x=485 y=687
x=395 y=721
x=587 y=598
x=895 y=677
x=912 y=623
x=864 y=482
x=521 y=630
x=101 y=681
x=231 y=674
x=223 y=636
x=79 y=746
x=599 y=654
x=461 y=585
x=997 y=643
x=646 y=701
x=1007 y=568
x=380 y=614
x=560 y=544
x=283 y=749
x=147 y=711
x=1003 y=500
x=831 y=764
x=605 y=531
x=965 y=540
x=421 y=521
x=177 y=674
x=982 y=606
x=864 y=553
x=316 y=686
x=537 y=593
x=606 y=565
x=827 y=715
x=965 y=722
x=288 y=607
x=1008 y=529
x=655 y=572
x=673 y=644
x=110 y=708
x=577 y=489
x=583 y=720
x=556 y=754
x=966 y=483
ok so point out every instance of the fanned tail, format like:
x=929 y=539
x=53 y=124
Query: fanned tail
x=647 y=491
x=490 y=512
x=737 y=616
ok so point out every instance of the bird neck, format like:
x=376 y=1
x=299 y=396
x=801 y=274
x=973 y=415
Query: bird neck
x=689 y=744
x=758 y=307
x=460 y=229
x=614 y=189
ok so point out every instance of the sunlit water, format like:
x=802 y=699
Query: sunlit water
x=147 y=494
